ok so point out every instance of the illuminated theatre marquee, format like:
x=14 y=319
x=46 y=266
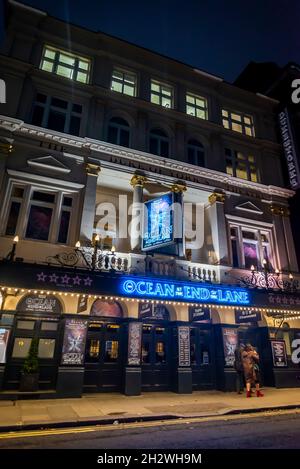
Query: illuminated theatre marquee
x=184 y=292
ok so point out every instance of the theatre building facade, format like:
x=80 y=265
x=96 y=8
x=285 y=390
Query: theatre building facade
x=144 y=227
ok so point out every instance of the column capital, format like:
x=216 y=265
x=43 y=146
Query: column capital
x=138 y=180
x=280 y=210
x=92 y=169
x=216 y=197
x=178 y=188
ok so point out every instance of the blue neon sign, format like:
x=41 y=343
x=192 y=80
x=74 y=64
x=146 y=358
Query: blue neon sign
x=158 y=229
x=179 y=291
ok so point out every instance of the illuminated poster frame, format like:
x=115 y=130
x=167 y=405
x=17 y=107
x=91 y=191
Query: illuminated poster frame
x=156 y=220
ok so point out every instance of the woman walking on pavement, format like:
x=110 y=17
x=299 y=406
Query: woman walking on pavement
x=250 y=359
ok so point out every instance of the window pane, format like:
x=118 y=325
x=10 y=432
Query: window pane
x=248 y=131
x=43 y=197
x=112 y=136
x=37 y=115
x=190 y=110
x=67 y=201
x=64 y=71
x=81 y=76
x=234 y=248
x=47 y=66
x=21 y=347
x=225 y=124
x=49 y=53
x=224 y=113
x=66 y=59
x=39 y=223
x=74 y=128
x=236 y=117
x=247 y=120
x=117 y=74
x=201 y=114
x=155 y=99
x=236 y=127
x=111 y=350
x=190 y=99
x=166 y=102
x=18 y=192
x=49 y=326
x=59 y=103
x=93 y=349
x=116 y=86
x=164 y=148
x=64 y=226
x=56 y=121
x=124 y=138
x=28 y=325
x=229 y=168
x=160 y=353
x=83 y=64
x=129 y=90
x=46 y=348
x=13 y=218
x=146 y=352
x=241 y=172
x=77 y=108
x=153 y=146
x=250 y=254
x=155 y=87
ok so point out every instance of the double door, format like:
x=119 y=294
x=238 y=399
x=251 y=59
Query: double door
x=104 y=357
x=155 y=357
x=202 y=357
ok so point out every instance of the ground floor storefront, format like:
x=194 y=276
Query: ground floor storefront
x=100 y=333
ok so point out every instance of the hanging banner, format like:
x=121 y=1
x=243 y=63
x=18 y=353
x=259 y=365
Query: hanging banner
x=4 y=336
x=82 y=303
x=134 y=343
x=242 y=316
x=199 y=314
x=230 y=341
x=40 y=303
x=74 y=342
x=184 y=346
x=150 y=310
x=158 y=222
x=289 y=148
x=279 y=353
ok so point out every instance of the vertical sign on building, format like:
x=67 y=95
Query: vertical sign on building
x=134 y=343
x=289 y=148
x=184 y=346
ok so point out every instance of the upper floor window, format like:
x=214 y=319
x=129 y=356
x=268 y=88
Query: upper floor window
x=39 y=214
x=65 y=64
x=124 y=82
x=240 y=165
x=238 y=122
x=195 y=153
x=162 y=94
x=159 y=143
x=250 y=247
x=196 y=106
x=118 y=132
x=56 y=114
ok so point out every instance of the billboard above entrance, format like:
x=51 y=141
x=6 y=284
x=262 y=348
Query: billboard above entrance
x=158 y=226
x=180 y=291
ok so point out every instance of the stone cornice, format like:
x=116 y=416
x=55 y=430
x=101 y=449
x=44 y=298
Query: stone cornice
x=131 y=156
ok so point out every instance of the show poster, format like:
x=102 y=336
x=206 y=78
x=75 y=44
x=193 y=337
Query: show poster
x=184 y=346
x=40 y=303
x=4 y=336
x=134 y=343
x=230 y=341
x=158 y=226
x=74 y=342
x=279 y=353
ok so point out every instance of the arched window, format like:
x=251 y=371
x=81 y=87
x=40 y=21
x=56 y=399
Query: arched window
x=118 y=132
x=195 y=153
x=159 y=143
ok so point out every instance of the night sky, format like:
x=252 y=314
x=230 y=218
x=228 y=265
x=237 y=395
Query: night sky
x=220 y=37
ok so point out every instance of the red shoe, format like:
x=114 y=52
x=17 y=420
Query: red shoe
x=248 y=394
x=259 y=394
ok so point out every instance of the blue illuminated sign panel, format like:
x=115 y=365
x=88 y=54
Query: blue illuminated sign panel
x=179 y=291
x=158 y=226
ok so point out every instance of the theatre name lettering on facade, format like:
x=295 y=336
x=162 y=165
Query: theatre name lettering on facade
x=141 y=237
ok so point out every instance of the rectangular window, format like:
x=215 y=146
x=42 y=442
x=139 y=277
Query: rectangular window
x=196 y=106
x=56 y=114
x=46 y=348
x=124 y=82
x=26 y=325
x=250 y=246
x=162 y=94
x=241 y=165
x=21 y=347
x=49 y=326
x=65 y=64
x=238 y=122
x=111 y=351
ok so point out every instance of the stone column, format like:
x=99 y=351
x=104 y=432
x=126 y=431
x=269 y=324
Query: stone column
x=89 y=203
x=137 y=182
x=284 y=238
x=218 y=227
